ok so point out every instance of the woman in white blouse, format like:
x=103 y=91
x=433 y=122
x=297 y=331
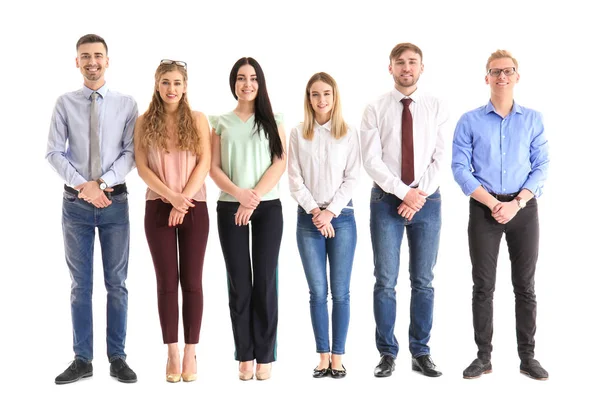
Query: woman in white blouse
x=324 y=164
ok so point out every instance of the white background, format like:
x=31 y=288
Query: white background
x=559 y=67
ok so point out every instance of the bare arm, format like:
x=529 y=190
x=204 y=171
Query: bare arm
x=273 y=173
x=198 y=176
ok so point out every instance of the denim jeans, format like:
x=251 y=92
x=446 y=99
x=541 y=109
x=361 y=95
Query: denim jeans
x=423 y=233
x=80 y=220
x=314 y=249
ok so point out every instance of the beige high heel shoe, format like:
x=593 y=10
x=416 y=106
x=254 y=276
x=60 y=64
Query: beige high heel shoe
x=263 y=374
x=190 y=377
x=172 y=378
x=245 y=375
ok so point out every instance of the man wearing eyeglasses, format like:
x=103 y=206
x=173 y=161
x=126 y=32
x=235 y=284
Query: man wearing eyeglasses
x=500 y=159
x=90 y=145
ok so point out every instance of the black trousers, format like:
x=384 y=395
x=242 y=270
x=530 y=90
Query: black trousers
x=522 y=239
x=252 y=279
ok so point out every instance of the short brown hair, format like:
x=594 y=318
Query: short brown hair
x=500 y=54
x=91 y=38
x=402 y=47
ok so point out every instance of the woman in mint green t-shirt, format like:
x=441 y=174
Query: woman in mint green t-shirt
x=248 y=159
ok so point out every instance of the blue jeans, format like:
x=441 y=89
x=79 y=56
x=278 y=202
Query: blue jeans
x=314 y=249
x=80 y=220
x=423 y=232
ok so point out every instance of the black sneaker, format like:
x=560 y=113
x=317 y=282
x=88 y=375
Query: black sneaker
x=77 y=370
x=533 y=369
x=120 y=370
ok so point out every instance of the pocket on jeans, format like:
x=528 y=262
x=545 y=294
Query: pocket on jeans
x=69 y=197
x=377 y=195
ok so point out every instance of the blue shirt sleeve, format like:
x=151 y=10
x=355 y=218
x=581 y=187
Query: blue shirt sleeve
x=462 y=155
x=538 y=158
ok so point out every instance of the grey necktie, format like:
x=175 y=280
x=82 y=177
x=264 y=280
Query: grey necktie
x=95 y=164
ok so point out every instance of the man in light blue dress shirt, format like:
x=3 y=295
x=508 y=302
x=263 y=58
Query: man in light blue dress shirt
x=500 y=159
x=90 y=145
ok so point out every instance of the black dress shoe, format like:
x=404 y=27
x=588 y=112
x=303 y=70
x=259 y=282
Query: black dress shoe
x=321 y=373
x=120 y=370
x=385 y=367
x=477 y=368
x=533 y=369
x=338 y=373
x=424 y=364
x=77 y=370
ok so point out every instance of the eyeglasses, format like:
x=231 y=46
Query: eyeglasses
x=495 y=72
x=169 y=62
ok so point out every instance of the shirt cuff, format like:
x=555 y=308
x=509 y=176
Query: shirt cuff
x=310 y=206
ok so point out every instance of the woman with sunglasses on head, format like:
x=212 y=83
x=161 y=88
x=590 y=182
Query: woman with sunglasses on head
x=248 y=159
x=172 y=154
x=324 y=165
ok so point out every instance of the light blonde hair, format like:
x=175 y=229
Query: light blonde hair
x=500 y=54
x=339 y=128
x=154 y=129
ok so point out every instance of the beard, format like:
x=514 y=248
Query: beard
x=406 y=82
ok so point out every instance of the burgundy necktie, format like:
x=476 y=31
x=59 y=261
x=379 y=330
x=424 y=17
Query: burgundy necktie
x=408 y=163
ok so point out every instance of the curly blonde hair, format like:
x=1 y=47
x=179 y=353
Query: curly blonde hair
x=154 y=129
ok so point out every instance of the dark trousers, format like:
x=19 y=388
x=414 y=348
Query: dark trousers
x=162 y=240
x=252 y=280
x=522 y=239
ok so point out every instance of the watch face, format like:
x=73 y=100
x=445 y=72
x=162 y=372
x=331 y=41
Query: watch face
x=103 y=186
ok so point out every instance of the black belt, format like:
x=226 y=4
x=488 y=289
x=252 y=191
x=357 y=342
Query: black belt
x=117 y=189
x=505 y=197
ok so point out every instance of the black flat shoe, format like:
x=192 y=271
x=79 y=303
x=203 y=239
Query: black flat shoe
x=338 y=373
x=477 y=368
x=321 y=373
x=120 y=370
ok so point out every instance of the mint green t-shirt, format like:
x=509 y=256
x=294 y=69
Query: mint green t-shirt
x=245 y=154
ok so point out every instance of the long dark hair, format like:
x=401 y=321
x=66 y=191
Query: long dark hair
x=263 y=112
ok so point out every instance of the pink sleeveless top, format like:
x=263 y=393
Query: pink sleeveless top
x=173 y=169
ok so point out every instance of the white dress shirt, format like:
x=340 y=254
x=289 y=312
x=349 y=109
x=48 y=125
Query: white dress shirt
x=381 y=139
x=323 y=171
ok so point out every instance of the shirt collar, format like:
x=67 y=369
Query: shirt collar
x=399 y=96
x=326 y=125
x=515 y=108
x=87 y=92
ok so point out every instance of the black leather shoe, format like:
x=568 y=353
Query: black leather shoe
x=385 y=367
x=120 y=370
x=77 y=370
x=477 y=368
x=338 y=373
x=424 y=364
x=321 y=373
x=533 y=369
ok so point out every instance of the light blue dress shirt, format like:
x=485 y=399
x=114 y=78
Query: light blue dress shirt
x=69 y=139
x=504 y=155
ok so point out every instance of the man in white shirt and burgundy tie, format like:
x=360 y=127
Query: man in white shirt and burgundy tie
x=402 y=147
x=90 y=145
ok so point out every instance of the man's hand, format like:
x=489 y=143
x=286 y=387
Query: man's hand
x=175 y=217
x=322 y=218
x=248 y=198
x=415 y=199
x=90 y=192
x=242 y=216
x=405 y=211
x=503 y=212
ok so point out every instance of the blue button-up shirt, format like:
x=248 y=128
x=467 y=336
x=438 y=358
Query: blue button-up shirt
x=504 y=155
x=69 y=139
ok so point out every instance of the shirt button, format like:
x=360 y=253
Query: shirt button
x=504 y=171
x=503 y=154
x=503 y=136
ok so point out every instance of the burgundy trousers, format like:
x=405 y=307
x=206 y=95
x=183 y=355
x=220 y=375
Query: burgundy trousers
x=173 y=267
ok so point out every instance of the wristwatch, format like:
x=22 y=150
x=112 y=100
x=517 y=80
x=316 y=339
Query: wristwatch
x=102 y=184
x=520 y=202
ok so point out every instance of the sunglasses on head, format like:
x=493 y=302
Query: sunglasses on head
x=169 y=62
